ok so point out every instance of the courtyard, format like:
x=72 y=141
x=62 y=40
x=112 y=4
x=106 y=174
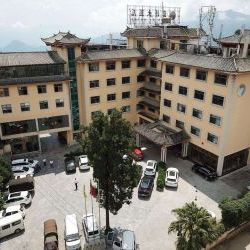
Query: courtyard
x=55 y=198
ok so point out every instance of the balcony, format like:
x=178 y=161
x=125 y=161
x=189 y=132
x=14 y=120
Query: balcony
x=152 y=72
x=150 y=102
x=151 y=87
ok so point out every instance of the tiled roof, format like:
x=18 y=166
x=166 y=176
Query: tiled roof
x=29 y=58
x=172 y=31
x=36 y=79
x=237 y=38
x=159 y=53
x=64 y=38
x=110 y=54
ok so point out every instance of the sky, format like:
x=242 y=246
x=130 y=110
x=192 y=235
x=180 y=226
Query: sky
x=28 y=20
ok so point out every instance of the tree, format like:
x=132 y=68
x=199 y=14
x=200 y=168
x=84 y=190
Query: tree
x=195 y=227
x=106 y=141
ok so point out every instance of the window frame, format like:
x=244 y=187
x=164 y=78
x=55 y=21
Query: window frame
x=183 y=106
x=217 y=105
x=165 y=101
x=111 y=99
x=168 y=84
x=41 y=88
x=42 y=103
x=24 y=107
x=20 y=89
x=58 y=87
x=200 y=118
x=143 y=64
x=126 y=77
x=94 y=84
x=212 y=141
x=97 y=97
x=181 y=122
x=183 y=87
x=219 y=83
x=171 y=72
x=185 y=68
x=94 y=67
x=110 y=65
x=126 y=97
x=124 y=62
x=198 y=98
x=167 y=120
x=195 y=129
x=209 y=119
x=4 y=108
x=126 y=111
x=59 y=101
x=199 y=71
x=113 y=80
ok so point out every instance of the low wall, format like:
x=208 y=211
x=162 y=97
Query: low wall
x=229 y=235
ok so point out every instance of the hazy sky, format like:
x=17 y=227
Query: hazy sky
x=28 y=20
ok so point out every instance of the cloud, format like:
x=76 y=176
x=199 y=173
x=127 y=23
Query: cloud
x=19 y=25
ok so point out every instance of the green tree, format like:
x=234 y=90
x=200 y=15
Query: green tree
x=195 y=227
x=106 y=140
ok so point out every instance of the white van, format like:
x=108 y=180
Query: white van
x=125 y=241
x=90 y=227
x=71 y=233
x=11 y=224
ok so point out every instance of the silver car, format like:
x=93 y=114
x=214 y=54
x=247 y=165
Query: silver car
x=17 y=171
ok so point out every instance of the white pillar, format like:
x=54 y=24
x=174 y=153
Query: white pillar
x=220 y=165
x=138 y=140
x=163 y=154
x=184 y=149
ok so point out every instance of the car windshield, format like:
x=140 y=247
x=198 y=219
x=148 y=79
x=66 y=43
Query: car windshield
x=31 y=161
x=170 y=179
x=72 y=237
x=150 y=164
x=145 y=183
x=149 y=169
x=25 y=168
x=172 y=174
x=15 y=195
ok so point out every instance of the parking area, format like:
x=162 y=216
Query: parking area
x=55 y=198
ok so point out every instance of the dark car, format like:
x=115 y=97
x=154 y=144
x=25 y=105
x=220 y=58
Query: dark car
x=137 y=154
x=146 y=186
x=70 y=165
x=205 y=171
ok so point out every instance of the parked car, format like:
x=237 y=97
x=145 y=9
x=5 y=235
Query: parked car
x=12 y=210
x=90 y=227
x=18 y=198
x=50 y=235
x=11 y=225
x=146 y=186
x=70 y=165
x=83 y=162
x=22 y=183
x=22 y=170
x=172 y=177
x=137 y=154
x=205 y=171
x=25 y=162
x=125 y=241
x=150 y=168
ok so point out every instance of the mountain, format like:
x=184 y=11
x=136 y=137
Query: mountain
x=103 y=39
x=19 y=46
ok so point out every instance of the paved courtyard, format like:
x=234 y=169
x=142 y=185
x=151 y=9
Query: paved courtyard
x=55 y=197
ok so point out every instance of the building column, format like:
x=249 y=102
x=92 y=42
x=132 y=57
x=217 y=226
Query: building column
x=164 y=154
x=138 y=140
x=39 y=143
x=69 y=137
x=220 y=165
x=184 y=150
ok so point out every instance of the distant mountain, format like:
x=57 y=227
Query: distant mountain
x=19 y=46
x=103 y=39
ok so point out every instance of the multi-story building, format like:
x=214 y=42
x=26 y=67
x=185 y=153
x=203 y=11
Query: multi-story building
x=34 y=99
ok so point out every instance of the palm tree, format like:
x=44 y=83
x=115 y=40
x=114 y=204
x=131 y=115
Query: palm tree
x=195 y=227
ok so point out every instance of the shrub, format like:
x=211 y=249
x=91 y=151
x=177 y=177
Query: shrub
x=138 y=170
x=235 y=212
x=160 y=183
x=73 y=154
x=5 y=172
x=161 y=165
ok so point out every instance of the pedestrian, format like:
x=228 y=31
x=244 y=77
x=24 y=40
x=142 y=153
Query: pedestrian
x=51 y=163
x=44 y=162
x=76 y=184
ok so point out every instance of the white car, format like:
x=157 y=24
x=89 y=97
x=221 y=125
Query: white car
x=22 y=198
x=90 y=227
x=172 y=177
x=17 y=171
x=26 y=163
x=12 y=210
x=150 y=168
x=83 y=162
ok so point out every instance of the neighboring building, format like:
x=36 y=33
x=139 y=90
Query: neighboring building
x=34 y=99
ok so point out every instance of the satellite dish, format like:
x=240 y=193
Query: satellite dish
x=172 y=15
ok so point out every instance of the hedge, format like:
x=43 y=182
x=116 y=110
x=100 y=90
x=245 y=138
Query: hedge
x=138 y=170
x=160 y=182
x=235 y=212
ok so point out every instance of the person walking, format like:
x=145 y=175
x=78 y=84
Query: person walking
x=76 y=184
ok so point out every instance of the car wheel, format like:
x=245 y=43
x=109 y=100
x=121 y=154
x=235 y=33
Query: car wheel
x=17 y=231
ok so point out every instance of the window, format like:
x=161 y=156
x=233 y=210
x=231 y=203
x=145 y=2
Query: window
x=110 y=65
x=140 y=92
x=215 y=120
x=110 y=81
x=110 y=111
x=93 y=67
x=182 y=90
x=184 y=72
x=125 y=79
x=4 y=92
x=5 y=227
x=23 y=90
x=152 y=110
x=58 y=87
x=199 y=95
x=168 y=86
x=218 y=100
x=44 y=105
x=41 y=89
x=111 y=97
x=153 y=80
x=167 y=103
x=166 y=118
x=94 y=84
x=195 y=131
x=153 y=64
x=59 y=103
x=201 y=75
x=140 y=78
x=95 y=113
x=169 y=69
x=6 y=108
x=183 y=45
x=16 y=223
x=181 y=107
x=179 y=124
x=95 y=99
x=139 y=44
x=220 y=79
x=151 y=95
x=212 y=138
x=197 y=113
x=141 y=63
x=25 y=106
x=125 y=64
x=125 y=95
x=125 y=109
x=18 y=127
